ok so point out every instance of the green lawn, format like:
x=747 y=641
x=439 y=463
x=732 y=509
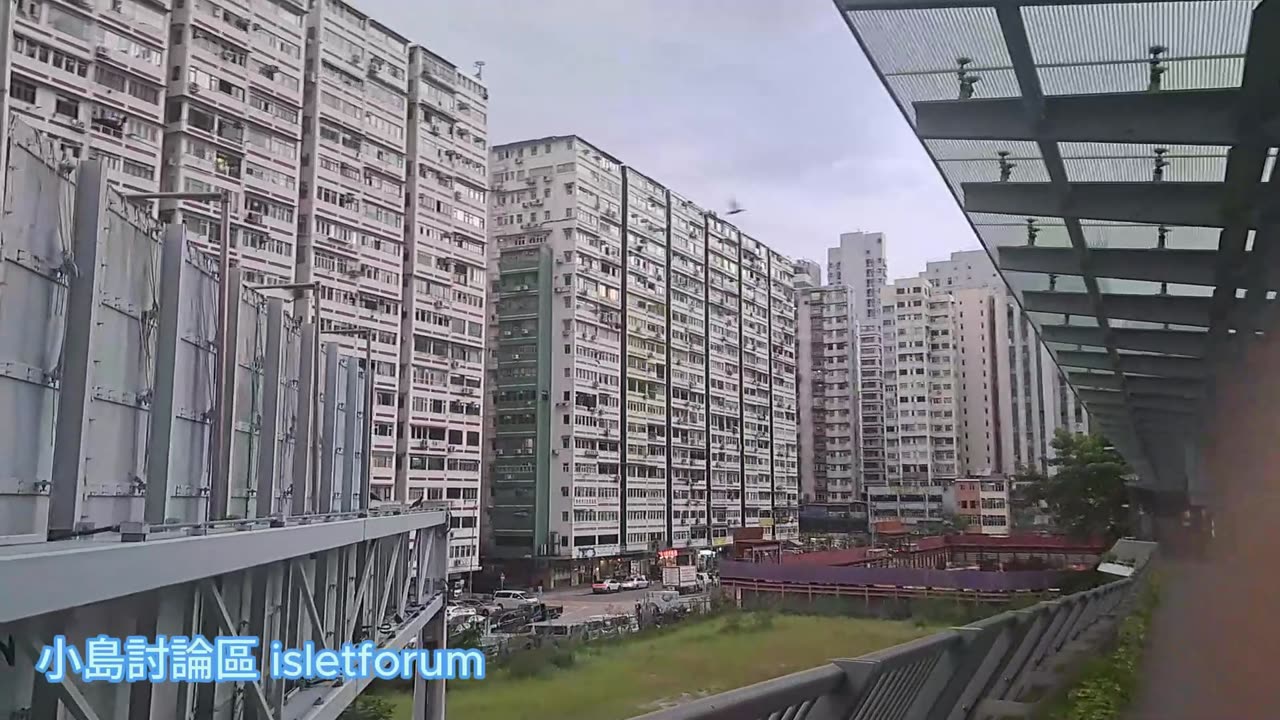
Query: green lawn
x=628 y=678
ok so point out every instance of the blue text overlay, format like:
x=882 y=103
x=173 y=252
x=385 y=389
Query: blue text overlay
x=195 y=659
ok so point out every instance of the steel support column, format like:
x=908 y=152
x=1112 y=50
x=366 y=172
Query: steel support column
x=302 y=488
x=429 y=695
x=222 y=421
x=329 y=419
x=168 y=310
x=66 y=496
x=268 y=427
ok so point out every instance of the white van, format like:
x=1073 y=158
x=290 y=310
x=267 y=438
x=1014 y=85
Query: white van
x=512 y=599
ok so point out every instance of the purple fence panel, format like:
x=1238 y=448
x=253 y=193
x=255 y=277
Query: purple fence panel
x=895 y=577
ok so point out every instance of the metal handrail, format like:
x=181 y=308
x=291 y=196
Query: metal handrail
x=980 y=671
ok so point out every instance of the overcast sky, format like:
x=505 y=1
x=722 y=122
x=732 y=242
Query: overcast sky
x=767 y=101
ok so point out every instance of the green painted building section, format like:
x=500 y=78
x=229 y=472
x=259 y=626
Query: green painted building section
x=521 y=391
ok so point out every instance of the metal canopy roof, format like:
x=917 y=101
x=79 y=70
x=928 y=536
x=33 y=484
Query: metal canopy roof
x=1114 y=159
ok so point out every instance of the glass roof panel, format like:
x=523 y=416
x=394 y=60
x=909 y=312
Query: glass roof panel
x=1134 y=77
x=1189 y=328
x=1042 y=318
x=963 y=171
x=932 y=39
x=1128 y=287
x=1109 y=32
x=1113 y=234
x=1015 y=233
x=1018 y=150
x=1190 y=290
x=1210 y=168
x=943 y=86
x=1072 y=348
x=1023 y=281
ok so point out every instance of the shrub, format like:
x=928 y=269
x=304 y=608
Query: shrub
x=368 y=707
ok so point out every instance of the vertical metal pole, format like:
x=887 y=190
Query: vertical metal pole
x=167 y=312
x=66 y=498
x=366 y=483
x=6 y=35
x=350 y=427
x=220 y=427
x=268 y=431
x=329 y=419
x=315 y=397
x=306 y=436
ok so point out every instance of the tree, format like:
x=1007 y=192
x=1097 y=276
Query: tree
x=1085 y=495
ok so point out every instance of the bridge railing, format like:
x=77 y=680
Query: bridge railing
x=982 y=671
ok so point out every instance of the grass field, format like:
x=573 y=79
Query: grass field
x=631 y=677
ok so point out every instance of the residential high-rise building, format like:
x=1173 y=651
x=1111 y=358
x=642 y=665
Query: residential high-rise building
x=858 y=262
x=351 y=157
x=352 y=222
x=91 y=77
x=827 y=342
x=622 y=425
x=919 y=364
x=443 y=329
x=784 y=488
x=1033 y=400
x=983 y=431
x=233 y=123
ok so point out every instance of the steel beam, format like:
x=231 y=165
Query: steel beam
x=212 y=603
x=1174 y=309
x=66 y=692
x=318 y=632
x=1149 y=402
x=94 y=571
x=1190 y=267
x=1171 y=117
x=1166 y=386
x=329 y=420
x=1172 y=342
x=222 y=422
x=1167 y=203
x=168 y=306
x=351 y=427
x=77 y=377
x=302 y=482
x=268 y=427
x=1159 y=365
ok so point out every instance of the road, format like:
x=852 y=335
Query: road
x=579 y=603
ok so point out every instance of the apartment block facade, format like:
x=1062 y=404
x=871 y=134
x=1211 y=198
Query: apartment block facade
x=91 y=76
x=622 y=334
x=352 y=158
x=1033 y=400
x=917 y=325
x=829 y=394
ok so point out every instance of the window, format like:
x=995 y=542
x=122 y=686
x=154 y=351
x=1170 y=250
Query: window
x=67 y=106
x=20 y=89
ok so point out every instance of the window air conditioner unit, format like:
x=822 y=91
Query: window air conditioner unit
x=103 y=51
x=193 y=88
x=253 y=218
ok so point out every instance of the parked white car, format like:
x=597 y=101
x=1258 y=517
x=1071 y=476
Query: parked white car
x=635 y=583
x=456 y=611
x=512 y=599
x=606 y=586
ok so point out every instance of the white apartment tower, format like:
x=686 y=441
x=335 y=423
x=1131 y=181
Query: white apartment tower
x=858 y=262
x=233 y=124
x=442 y=358
x=1033 y=400
x=90 y=75
x=621 y=423
x=352 y=222
x=784 y=443
x=829 y=397
x=983 y=431
x=917 y=323
x=687 y=282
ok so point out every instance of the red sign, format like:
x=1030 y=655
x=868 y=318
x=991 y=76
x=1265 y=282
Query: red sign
x=668 y=554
